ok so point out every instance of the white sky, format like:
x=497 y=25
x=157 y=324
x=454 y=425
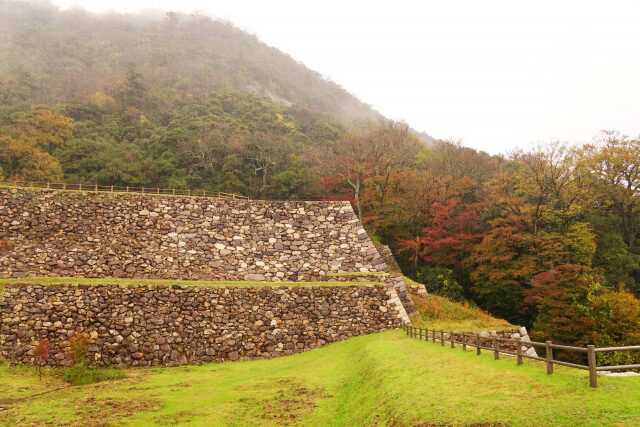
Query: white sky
x=496 y=74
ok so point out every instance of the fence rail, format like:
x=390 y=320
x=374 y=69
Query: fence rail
x=122 y=189
x=475 y=340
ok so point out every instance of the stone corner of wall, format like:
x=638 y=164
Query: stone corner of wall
x=396 y=282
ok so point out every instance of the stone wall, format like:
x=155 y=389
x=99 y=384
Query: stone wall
x=84 y=234
x=389 y=259
x=142 y=325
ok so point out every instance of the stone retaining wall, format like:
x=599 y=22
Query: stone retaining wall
x=142 y=325
x=389 y=259
x=84 y=234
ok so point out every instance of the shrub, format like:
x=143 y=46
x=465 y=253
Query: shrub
x=79 y=373
x=440 y=281
x=78 y=348
x=41 y=353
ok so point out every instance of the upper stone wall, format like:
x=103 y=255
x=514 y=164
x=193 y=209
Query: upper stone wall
x=61 y=233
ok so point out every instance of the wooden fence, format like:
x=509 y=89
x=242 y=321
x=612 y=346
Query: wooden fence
x=123 y=189
x=475 y=340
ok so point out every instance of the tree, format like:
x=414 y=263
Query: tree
x=133 y=91
x=571 y=305
x=371 y=157
x=539 y=206
x=267 y=152
x=23 y=162
x=613 y=163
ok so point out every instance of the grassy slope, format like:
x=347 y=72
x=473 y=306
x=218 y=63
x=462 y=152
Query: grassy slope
x=384 y=378
x=437 y=312
x=441 y=313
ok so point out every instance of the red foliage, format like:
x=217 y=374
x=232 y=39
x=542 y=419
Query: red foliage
x=78 y=348
x=42 y=351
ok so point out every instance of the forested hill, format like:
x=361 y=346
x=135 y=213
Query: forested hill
x=49 y=56
x=547 y=238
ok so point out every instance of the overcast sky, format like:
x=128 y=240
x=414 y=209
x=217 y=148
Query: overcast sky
x=495 y=74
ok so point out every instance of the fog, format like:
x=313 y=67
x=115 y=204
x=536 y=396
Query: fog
x=496 y=75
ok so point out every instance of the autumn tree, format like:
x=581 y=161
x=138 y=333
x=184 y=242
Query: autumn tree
x=538 y=205
x=613 y=163
x=28 y=141
x=570 y=305
x=370 y=158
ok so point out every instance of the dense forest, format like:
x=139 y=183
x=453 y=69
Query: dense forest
x=547 y=238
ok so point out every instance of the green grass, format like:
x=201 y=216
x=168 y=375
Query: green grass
x=380 y=379
x=356 y=273
x=437 y=312
x=125 y=282
x=81 y=375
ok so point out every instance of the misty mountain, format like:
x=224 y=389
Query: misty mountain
x=56 y=56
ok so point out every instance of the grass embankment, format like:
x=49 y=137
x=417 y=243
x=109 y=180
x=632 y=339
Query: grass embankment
x=380 y=379
x=203 y=283
x=438 y=312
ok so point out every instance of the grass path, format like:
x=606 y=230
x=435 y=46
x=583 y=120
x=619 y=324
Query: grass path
x=383 y=379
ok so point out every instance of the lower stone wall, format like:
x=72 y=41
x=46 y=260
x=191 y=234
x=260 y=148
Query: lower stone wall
x=143 y=325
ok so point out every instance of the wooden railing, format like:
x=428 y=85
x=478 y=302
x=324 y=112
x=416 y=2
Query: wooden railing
x=475 y=340
x=122 y=189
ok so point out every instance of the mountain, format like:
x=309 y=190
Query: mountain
x=48 y=55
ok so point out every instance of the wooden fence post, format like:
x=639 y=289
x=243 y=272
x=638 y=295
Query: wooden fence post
x=420 y=334
x=441 y=337
x=593 y=373
x=464 y=342
x=112 y=188
x=478 y=349
x=434 y=336
x=453 y=344
x=549 y=357
x=496 y=353
x=519 y=351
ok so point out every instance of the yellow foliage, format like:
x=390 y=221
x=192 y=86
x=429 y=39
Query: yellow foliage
x=102 y=100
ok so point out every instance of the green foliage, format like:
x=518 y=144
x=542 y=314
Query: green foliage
x=613 y=255
x=440 y=281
